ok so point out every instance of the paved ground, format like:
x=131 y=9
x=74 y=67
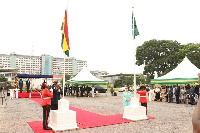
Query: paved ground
x=170 y=117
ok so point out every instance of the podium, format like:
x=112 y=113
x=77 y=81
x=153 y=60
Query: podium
x=63 y=118
x=135 y=111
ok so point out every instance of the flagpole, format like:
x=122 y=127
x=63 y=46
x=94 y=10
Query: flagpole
x=67 y=4
x=134 y=51
x=64 y=77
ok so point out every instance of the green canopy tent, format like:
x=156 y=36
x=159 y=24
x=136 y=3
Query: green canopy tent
x=184 y=73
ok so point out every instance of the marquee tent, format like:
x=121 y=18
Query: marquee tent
x=184 y=73
x=33 y=76
x=84 y=77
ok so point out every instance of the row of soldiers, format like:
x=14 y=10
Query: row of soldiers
x=181 y=94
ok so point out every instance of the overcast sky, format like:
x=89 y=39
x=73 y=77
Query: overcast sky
x=99 y=30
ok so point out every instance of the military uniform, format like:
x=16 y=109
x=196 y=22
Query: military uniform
x=46 y=105
x=143 y=98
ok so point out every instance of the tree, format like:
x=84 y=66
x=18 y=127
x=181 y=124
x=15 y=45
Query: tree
x=67 y=77
x=192 y=51
x=3 y=79
x=157 y=55
x=123 y=81
x=141 y=80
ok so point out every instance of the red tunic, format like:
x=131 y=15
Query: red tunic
x=143 y=98
x=46 y=93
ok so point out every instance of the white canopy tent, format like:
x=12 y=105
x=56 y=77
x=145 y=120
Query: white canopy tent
x=85 y=77
x=185 y=72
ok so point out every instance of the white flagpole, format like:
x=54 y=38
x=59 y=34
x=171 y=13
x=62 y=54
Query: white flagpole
x=64 y=77
x=134 y=52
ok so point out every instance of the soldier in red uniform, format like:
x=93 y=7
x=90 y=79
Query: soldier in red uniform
x=143 y=98
x=46 y=105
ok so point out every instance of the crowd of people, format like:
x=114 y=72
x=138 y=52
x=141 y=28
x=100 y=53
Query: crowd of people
x=177 y=94
x=79 y=91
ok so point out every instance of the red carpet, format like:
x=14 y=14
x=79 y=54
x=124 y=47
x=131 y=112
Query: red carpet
x=35 y=95
x=85 y=119
x=91 y=119
x=23 y=95
x=26 y=95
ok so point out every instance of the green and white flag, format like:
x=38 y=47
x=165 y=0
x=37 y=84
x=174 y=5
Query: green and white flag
x=135 y=31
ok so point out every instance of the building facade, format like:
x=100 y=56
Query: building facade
x=41 y=65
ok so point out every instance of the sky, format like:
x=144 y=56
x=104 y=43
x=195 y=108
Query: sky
x=100 y=31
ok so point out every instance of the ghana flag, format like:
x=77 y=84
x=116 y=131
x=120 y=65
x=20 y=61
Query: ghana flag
x=65 y=38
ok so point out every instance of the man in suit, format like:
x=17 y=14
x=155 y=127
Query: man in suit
x=88 y=90
x=177 y=93
x=77 y=91
x=170 y=94
x=82 y=89
x=197 y=90
x=192 y=100
x=28 y=85
x=20 y=85
x=56 y=96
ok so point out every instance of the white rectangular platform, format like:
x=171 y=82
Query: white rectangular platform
x=135 y=113
x=63 y=118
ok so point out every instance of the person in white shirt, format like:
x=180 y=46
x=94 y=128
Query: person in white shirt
x=151 y=94
x=92 y=90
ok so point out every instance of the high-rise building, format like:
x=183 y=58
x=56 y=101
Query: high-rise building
x=44 y=64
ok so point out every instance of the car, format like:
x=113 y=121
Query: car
x=123 y=89
x=99 y=89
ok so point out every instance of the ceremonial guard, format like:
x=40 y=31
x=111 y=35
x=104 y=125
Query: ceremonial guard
x=127 y=97
x=46 y=105
x=143 y=99
x=56 y=96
